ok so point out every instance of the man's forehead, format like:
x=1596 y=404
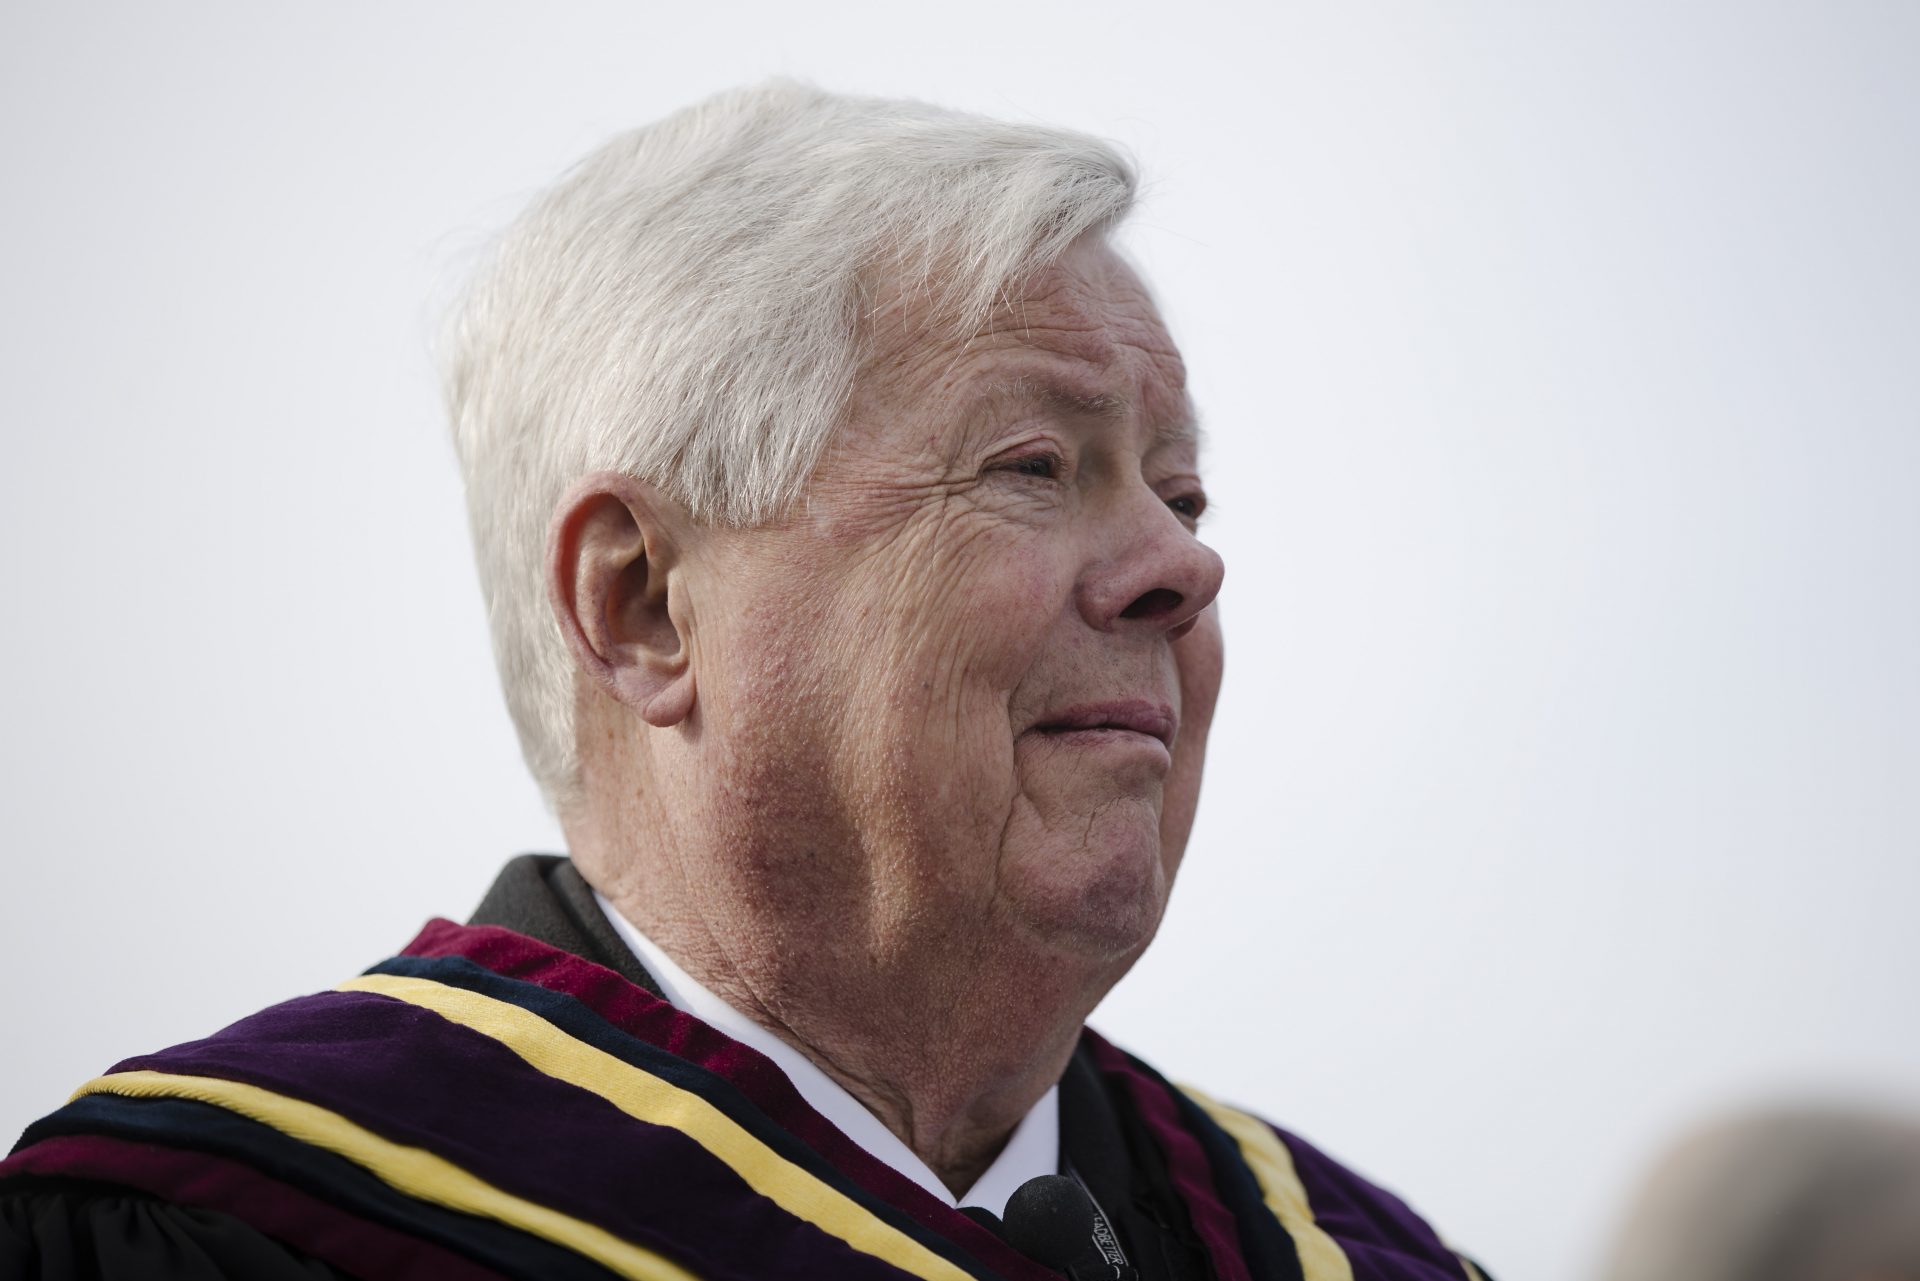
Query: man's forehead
x=1080 y=339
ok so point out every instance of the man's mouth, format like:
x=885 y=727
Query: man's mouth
x=1132 y=716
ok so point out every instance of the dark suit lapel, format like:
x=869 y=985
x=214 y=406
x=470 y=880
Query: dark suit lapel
x=545 y=898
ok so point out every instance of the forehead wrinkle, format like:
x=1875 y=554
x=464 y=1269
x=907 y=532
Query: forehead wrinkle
x=1183 y=432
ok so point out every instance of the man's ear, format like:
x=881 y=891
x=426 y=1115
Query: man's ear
x=616 y=581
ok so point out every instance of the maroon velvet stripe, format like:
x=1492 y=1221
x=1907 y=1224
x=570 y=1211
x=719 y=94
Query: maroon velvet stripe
x=641 y=1014
x=1186 y=1161
x=1379 y=1232
x=281 y=1211
x=414 y=1077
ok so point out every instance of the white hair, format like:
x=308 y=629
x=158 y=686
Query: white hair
x=686 y=307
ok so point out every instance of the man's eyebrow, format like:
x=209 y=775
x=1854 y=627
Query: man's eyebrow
x=1067 y=401
x=1110 y=407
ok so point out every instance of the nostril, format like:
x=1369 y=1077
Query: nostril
x=1157 y=603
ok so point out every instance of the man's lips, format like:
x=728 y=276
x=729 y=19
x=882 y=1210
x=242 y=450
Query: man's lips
x=1135 y=715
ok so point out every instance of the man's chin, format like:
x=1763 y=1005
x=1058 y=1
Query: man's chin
x=1100 y=902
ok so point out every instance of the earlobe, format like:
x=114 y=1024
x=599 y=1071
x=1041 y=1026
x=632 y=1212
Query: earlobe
x=619 y=593
x=672 y=704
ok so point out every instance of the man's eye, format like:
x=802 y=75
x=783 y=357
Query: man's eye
x=1188 y=507
x=1042 y=466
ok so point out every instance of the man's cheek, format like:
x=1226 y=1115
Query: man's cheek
x=973 y=656
x=1200 y=663
x=1009 y=615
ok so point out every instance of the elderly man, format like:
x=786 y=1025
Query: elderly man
x=835 y=490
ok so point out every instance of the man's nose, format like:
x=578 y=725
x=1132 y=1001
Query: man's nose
x=1151 y=574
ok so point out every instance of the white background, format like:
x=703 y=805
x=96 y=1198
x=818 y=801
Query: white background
x=1560 y=364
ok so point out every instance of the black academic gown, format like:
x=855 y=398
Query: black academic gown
x=60 y=1230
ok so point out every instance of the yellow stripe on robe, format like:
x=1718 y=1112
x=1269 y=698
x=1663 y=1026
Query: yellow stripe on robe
x=1321 y=1258
x=414 y=1171
x=646 y=1097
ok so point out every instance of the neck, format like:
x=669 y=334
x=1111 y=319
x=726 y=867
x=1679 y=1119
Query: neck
x=946 y=1017
x=952 y=1089
x=949 y=1057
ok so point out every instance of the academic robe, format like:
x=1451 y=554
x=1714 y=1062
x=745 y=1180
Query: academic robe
x=512 y=1098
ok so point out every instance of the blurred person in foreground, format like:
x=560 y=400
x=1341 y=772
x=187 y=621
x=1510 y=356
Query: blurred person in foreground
x=1790 y=1194
x=836 y=495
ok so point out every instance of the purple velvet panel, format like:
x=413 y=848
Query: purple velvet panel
x=640 y=1014
x=1383 y=1237
x=286 y=1213
x=414 y=1077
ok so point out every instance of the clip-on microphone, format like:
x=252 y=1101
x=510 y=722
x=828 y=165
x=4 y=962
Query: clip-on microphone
x=1054 y=1222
